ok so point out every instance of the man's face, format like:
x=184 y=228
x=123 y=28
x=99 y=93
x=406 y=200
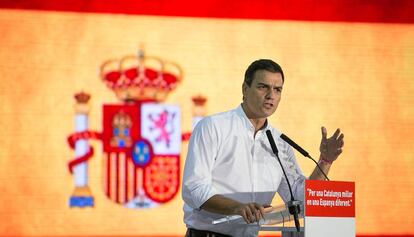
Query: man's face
x=262 y=97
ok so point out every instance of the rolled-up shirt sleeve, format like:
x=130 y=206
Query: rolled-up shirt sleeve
x=197 y=185
x=296 y=178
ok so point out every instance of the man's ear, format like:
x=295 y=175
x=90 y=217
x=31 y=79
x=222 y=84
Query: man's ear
x=244 y=88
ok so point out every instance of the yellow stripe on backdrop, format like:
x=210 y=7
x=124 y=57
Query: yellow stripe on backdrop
x=355 y=76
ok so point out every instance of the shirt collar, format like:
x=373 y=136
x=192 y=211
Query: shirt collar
x=246 y=121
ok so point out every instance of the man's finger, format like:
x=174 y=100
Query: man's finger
x=335 y=135
x=258 y=215
x=261 y=211
x=324 y=133
x=340 y=138
x=249 y=213
x=244 y=215
x=267 y=208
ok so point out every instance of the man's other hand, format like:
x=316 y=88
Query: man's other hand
x=251 y=212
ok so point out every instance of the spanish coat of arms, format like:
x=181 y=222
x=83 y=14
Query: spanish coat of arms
x=141 y=136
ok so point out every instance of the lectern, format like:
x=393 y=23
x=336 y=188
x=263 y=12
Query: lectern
x=328 y=210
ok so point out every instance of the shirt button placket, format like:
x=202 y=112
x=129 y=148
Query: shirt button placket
x=251 y=161
x=255 y=151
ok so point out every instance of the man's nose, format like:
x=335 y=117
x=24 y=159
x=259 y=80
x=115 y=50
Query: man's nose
x=271 y=94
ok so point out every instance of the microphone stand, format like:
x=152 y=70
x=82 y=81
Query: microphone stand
x=293 y=205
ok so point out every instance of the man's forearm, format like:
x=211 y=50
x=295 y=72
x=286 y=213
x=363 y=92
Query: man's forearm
x=317 y=174
x=221 y=205
x=251 y=212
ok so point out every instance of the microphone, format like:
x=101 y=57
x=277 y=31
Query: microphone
x=296 y=146
x=293 y=205
x=302 y=151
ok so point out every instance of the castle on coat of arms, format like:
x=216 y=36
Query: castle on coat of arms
x=141 y=135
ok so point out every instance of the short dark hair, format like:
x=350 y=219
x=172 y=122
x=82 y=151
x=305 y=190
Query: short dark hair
x=261 y=64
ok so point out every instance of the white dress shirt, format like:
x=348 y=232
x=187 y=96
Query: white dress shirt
x=224 y=157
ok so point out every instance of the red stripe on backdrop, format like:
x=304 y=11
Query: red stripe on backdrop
x=385 y=11
x=108 y=175
x=135 y=186
x=126 y=182
x=117 y=179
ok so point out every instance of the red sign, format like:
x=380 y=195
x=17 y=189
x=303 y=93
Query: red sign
x=329 y=198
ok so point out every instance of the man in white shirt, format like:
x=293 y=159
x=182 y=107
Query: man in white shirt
x=230 y=168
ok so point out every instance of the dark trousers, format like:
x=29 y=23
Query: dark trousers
x=203 y=233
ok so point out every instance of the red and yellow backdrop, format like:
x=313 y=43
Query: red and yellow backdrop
x=348 y=64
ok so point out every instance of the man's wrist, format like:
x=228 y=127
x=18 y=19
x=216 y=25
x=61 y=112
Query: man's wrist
x=323 y=160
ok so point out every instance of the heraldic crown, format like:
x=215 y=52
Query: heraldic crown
x=141 y=78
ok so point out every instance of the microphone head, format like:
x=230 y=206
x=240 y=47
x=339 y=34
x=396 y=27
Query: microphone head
x=294 y=145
